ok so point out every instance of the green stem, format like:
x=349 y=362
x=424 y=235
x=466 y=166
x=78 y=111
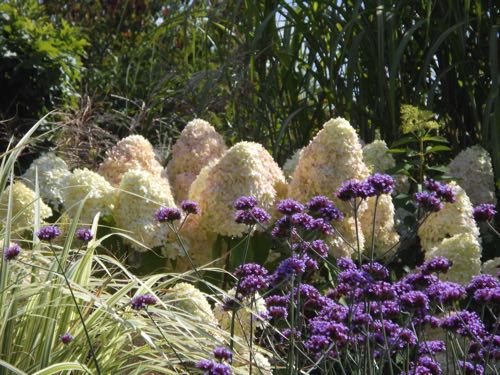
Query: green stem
x=89 y=341
x=373 y=228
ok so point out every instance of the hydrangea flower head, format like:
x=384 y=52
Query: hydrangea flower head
x=140 y=195
x=332 y=157
x=246 y=169
x=454 y=219
x=52 y=172
x=99 y=194
x=464 y=251
x=198 y=145
x=473 y=170
x=23 y=206
x=132 y=152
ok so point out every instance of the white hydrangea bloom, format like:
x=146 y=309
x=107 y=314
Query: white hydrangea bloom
x=491 y=267
x=260 y=362
x=464 y=251
x=474 y=173
x=140 y=195
x=83 y=183
x=333 y=156
x=291 y=164
x=245 y=169
x=52 y=172
x=243 y=316
x=198 y=144
x=23 y=207
x=377 y=157
x=132 y=152
x=385 y=232
x=454 y=218
x=190 y=300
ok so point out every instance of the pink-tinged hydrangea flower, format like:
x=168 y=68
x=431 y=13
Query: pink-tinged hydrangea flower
x=132 y=152
x=331 y=158
x=23 y=207
x=197 y=146
x=246 y=169
x=454 y=219
x=474 y=173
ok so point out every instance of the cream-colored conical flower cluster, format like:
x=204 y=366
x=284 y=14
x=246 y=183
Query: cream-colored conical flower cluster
x=491 y=267
x=140 y=195
x=385 y=231
x=99 y=194
x=132 y=152
x=244 y=315
x=52 y=172
x=198 y=145
x=455 y=218
x=332 y=157
x=191 y=301
x=473 y=171
x=291 y=164
x=23 y=207
x=377 y=157
x=198 y=239
x=464 y=251
x=245 y=169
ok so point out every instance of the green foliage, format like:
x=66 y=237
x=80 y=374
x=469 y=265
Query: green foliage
x=419 y=150
x=40 y=61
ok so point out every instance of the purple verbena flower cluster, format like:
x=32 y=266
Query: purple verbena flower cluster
x=11 y=252
x=48 y=233
x=142 y=301
x=248 y=213
x=436 y=195
x=168 y=214
x=374 y=185
x=484 y=212
x=217 y=366
x=84 y=234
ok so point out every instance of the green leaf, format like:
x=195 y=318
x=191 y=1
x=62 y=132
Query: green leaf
x=435 y=138
x=438 y=148
x=404 y=140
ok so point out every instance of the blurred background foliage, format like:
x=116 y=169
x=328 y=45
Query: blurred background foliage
x=269 y=71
